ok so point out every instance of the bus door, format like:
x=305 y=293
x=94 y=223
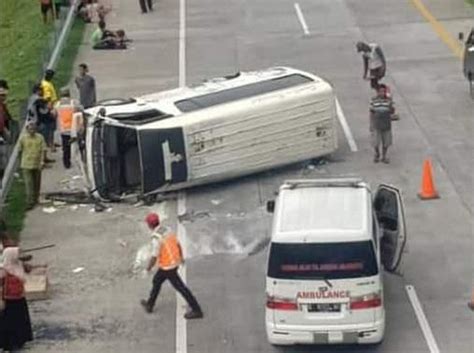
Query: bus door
x=163 y=158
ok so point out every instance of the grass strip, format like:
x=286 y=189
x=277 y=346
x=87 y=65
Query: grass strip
x=14 y=212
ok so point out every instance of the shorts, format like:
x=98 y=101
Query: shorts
x=380 y=137
x=377 y=73
x=45 y=8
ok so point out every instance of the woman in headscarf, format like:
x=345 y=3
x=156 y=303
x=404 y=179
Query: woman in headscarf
x=15 y=326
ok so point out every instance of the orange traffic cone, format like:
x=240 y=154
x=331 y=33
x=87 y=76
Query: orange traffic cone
x=428 y=190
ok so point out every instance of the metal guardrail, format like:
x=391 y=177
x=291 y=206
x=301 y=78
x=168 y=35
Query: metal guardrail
x=51 y=64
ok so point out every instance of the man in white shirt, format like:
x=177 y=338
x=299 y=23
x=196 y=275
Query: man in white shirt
x=374 y=62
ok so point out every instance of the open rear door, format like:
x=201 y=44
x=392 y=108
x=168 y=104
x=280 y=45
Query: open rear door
x=163 y=157
x=388 y=206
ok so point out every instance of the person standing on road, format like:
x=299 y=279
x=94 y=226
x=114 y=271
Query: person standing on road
x=15 y=324
x=85 y=84
x=381 y=110
x=374 y=62
x=51 y=97
x=65 y=110
x=33 y=154
x=168 y=257
x=146 y=5
x=39 y=112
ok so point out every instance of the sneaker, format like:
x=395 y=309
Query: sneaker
x=386 y=160
x=146 y=306
x=193 y=315
x=376 y=159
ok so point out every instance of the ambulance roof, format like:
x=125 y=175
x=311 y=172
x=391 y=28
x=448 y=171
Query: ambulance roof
x=323 y=213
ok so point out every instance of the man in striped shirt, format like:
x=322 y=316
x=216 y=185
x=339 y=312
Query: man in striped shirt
x=381 y=109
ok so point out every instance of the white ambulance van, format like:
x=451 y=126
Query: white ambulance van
x=330 y=239
x=220 y=129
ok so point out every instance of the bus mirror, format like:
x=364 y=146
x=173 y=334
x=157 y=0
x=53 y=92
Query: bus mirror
x=270 y=206
x=461 y=36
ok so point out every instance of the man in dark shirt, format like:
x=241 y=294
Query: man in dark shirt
x=381 y=109
x=40 y=113
x=5 y=116
x=5 y=119
x=85 y=83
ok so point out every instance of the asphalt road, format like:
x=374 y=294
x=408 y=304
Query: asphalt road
x=227 y=227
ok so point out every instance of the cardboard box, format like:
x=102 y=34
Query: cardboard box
x=36 y=285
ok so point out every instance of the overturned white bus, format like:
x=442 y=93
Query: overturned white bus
x=223 y=128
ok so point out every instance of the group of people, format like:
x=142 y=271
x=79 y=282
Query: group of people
x=15 y=324
x=102 y=38
x=46 y=113
x=382 y=110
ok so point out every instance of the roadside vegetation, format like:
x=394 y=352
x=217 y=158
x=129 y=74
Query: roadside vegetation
x=23 y=39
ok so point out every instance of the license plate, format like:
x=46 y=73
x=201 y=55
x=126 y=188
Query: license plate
x=324 y=308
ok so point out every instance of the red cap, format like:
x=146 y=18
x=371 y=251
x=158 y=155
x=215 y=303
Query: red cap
x=153 y=220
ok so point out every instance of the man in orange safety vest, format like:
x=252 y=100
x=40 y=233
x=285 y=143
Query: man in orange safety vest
x=168 y=256
x=66 y=107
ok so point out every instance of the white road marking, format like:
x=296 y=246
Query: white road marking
x=182 y=43
x=299 y=13
x=181 y=332
x=420 y=315
x=345 y=127
x=181 y=328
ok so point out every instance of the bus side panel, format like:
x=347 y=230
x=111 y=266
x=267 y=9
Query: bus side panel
x=271 y=131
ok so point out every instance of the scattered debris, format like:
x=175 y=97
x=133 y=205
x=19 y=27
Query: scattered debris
x=74 y=207
x=59 y=203
x=16 y=175
x=49 y=209
x=192 y=216
x=78 y=270
x=216 y=202
x=311 y=167
x=139 y=204
x=75 y=177
x=122 y=243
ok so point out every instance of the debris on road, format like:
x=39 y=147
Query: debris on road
x=49 y=209
x=192 y=216
x=216 y=202
x=78 y=270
